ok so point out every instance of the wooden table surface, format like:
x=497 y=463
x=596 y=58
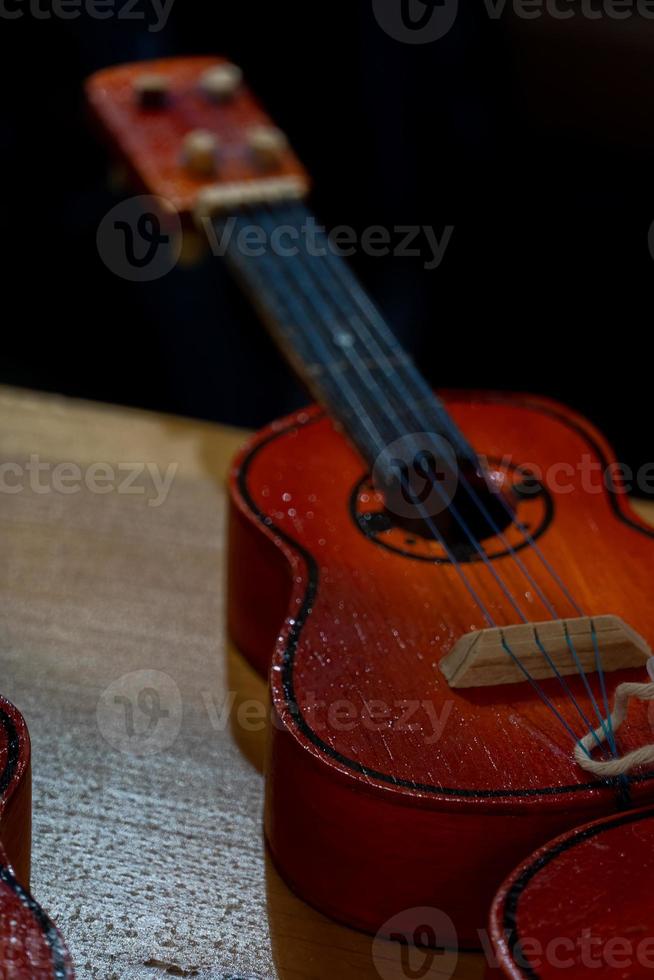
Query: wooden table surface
x=147 y=731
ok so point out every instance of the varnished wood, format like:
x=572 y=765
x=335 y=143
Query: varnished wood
x=581 y=906
x=480 y=659
x=369 y=815
x=364 y=624
x=130 y=576
x=157 y=859
x=150 y=141
x=31 y=947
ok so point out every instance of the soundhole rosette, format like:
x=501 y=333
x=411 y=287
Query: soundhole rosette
x=533 y=513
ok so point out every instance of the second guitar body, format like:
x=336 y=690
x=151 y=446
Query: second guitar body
x=387 y=789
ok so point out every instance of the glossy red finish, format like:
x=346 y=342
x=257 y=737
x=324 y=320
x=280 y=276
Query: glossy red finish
x=387 y=790
x=31 y=948
x=581 y=906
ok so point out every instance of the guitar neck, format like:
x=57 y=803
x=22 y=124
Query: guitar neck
x=193 y=134
x=329 y=330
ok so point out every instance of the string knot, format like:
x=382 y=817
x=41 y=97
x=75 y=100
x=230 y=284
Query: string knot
x=639 y=757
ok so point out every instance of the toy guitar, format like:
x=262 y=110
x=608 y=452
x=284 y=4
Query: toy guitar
x=582 y=905
x=448 y=639
x=31 y=947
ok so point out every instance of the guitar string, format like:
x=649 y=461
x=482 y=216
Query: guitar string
x=272 y=223
x=380 y=358
x=356 y=404
x=276 y=304
x=279 y=312
x=326 y=360
x=364 y=373
x=369 y=342
x=335 y=291
x=356 y=292
x=322 y=311
x=331 y=319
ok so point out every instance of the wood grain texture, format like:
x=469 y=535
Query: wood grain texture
x=581 y=906
x=149 y=863
x=371 y=815
x=480 y=660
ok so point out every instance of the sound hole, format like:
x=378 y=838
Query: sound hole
x=413 y=537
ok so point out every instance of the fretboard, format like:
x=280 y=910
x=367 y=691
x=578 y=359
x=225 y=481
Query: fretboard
x=330 y=330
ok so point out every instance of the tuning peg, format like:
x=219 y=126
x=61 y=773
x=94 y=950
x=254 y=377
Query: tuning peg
x=267 y=145
x=151 y=90
x=200 y=152
x=221 y=82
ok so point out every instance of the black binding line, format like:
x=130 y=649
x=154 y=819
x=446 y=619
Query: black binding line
x=309 y=598
x=47 y=927
x=515 y=893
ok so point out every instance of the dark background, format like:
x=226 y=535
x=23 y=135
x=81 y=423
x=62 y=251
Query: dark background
x=533 y=138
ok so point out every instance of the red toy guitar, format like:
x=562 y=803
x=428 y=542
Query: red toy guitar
x=444 y=627
x=581 y=906
x=31 y=947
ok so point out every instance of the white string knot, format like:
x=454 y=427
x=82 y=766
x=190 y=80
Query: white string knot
x=639 y=757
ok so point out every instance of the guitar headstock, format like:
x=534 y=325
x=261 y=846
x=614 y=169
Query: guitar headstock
x=190 y=132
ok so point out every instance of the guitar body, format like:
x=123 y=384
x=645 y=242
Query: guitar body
x=386 y=789
x=582 y=905
x=411 y=763
x=31 y=948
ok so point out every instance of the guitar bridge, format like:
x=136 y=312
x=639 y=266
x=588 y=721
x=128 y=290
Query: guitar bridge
x=490 y=657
